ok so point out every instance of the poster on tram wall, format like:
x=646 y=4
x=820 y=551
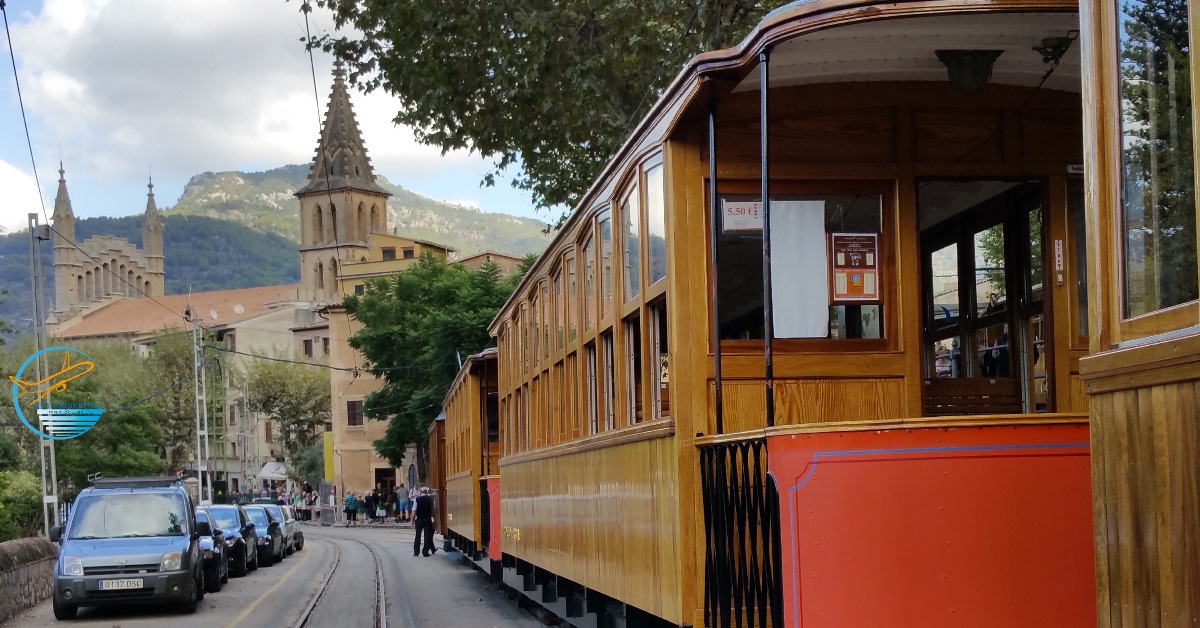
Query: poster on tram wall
x=741 y=216
x=855 y=267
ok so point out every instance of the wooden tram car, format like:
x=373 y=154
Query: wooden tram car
x=866 y=403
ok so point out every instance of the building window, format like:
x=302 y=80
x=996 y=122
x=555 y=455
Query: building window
x=308 y=347
x=267 y=429
x=325 y=345
x=389 y=253
x=354 y=415
x=359 y=289
x=1158 y=195
x=233 y=414
x=409 y=252
x=233 y=450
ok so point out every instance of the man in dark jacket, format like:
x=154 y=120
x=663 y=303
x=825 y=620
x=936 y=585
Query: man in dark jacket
x=423 y=524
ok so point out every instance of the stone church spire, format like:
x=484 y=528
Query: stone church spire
x=65 y=266
x=341 y=161
x=152 y=246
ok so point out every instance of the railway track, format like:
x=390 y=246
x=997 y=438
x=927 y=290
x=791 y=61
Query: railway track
x=380 y=615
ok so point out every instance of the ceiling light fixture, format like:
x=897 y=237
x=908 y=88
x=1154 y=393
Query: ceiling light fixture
x=969 y=70
x=1053 y=48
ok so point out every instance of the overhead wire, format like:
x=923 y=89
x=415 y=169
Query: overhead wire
x=37 y=181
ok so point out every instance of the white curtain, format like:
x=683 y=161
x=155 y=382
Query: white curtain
x=799 y=269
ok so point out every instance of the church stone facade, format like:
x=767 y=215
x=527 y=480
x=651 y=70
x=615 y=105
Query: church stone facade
x=107 y=266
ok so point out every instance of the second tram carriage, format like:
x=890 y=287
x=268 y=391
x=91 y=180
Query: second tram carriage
x=864 y=403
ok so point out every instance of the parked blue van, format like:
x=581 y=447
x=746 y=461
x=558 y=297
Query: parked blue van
x=129 y=541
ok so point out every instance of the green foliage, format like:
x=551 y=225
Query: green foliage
x=295 y=397
x=20 y=504
x=172 y=361
x=417 y=322
x=551 y=87
x=310 y=466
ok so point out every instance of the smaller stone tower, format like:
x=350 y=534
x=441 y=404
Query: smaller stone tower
x=67 y=282
x=154 y=283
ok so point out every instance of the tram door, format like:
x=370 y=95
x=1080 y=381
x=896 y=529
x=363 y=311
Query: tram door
x=982 y=260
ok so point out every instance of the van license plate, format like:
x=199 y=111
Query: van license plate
x=127 y=583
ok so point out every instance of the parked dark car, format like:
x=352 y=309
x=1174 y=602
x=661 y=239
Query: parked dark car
x=241 y=546
x=297 y=533
x=269 y=532
x=212 y=547
x=288 y=530
x=129 y=541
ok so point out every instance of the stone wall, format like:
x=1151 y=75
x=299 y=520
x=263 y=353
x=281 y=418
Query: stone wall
x=26 y=574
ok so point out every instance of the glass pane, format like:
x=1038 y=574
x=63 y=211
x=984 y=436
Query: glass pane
x=559 y=311
x=1036 y=273
x=990 y=294
x=1036 y=355
x=545 y=316
x=991 y=352
x=856 y=321
x=572 y=301
x=945 y=286
x=947 y=358
x=606 y=269
x=656 y=220
x=1158 y=192
x=632 y=243
x=589 y=285
x=633 y=369
x=1079 y=255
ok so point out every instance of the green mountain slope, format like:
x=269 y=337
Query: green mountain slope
x=201 y=253
x=264 y=201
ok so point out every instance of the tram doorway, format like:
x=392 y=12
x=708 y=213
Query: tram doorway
x=984 y=349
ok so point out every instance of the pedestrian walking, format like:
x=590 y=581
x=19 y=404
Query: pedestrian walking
x=351 y=509
x=401 y=503
x=423 y=524
x=413 y=494
x=369 y=506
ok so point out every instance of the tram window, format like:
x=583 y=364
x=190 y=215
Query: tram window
x=572 y=386
x=1158 y=191
x=633 y=368
x=656 y=224
x=801 y=236
x=559 y=311
x=631 y=244
x=606 y=269
x=558 y=413
x=608 y=377
x=990 y=296
x=945 y=306
x=572 y=301
x=590 y=400
x=589 y=285
x=545 y=316
x=1036 y=272
x=535 y=324
x=1078 y=247
x=536 y=417
x=657 y=369
x=992 y=355
x=507 y=425
x=525 y=412
x=493 y=416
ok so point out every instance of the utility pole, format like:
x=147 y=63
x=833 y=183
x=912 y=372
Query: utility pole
x=50 y=511
x=199 y=380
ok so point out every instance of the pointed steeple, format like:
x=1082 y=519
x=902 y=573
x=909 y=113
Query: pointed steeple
x=151 y=225
x=341 y=161
x=62 y=202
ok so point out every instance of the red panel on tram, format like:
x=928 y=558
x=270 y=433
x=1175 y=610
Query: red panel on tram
x=978 y=526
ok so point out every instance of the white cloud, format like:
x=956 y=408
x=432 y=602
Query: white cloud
x=190 y=86
x=21 y=198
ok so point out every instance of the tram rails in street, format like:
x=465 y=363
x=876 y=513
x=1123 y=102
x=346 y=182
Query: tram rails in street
x=380 y=614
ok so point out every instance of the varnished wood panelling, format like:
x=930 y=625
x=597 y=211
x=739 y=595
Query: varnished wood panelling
x=1146 y=502
x=605 y=518
x=1048 y=137
x=968 y=136
x=810 y=401
x=827 y=135
x=462 y=502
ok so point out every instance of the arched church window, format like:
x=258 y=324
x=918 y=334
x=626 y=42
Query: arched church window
x=320 y=276
x=363 y=227
x=333 y=275
x=319 y=227
x=333 y=221
x=79 y=288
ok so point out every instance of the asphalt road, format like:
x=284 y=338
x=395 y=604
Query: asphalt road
x=432 y=592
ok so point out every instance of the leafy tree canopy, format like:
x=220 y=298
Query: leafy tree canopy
x=415 y=326
x=295 y=397
x=549 y=87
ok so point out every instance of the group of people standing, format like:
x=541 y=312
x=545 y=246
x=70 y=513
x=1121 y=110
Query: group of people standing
x=416 y=505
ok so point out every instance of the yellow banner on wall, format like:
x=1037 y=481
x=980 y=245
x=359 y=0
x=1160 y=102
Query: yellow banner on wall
x=328 y=455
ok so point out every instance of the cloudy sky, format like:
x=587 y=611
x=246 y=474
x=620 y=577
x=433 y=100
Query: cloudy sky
x=122 y=87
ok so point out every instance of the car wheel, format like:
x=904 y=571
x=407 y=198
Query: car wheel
x=291 y=549
x=224 y=571
x=189 y=607
x=64 y=611
x=254 y=563
x=212 y=582
x=241 y=565
x=202 y=587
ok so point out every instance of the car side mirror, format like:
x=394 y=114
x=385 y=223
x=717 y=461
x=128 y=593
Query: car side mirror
x=203 y=528
x=56 y=534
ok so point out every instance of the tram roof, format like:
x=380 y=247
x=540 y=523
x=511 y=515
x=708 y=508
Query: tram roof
x=838 y=41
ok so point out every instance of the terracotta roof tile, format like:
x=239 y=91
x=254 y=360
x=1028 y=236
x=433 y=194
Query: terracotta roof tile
x=139 y=317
